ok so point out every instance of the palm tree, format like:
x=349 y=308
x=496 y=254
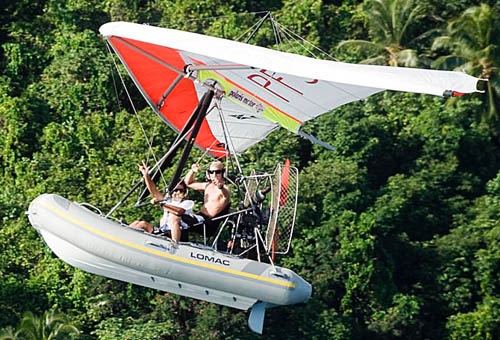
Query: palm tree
x=474 y=42
x=388 y=26
x=51 y=326
x=9 y=333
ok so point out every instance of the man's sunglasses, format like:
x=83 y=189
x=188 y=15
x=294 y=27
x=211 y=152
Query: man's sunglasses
x=179 y=190
x=215 y=171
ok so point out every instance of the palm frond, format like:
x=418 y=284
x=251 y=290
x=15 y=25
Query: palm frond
x=377 y=60
x=408 y=58
x=9 y=333
x=368 y=47
x=416 y=13
x=447 y=62
x=442 y=42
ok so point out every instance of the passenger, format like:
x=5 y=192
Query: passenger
x=174 y=208
x=216 y=197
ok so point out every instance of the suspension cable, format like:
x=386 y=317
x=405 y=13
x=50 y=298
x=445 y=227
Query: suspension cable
x=276 y=38
x=299 y=38
x=114 y=80
x=230 y=146
x=294 y=36
x=150 y=147
x=254 y=28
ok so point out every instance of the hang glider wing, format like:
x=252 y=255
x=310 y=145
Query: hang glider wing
x=263 y=89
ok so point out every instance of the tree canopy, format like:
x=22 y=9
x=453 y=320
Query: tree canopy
x=397 y=229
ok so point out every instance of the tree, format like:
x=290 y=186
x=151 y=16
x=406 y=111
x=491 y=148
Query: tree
x=389 y=23
x=468 y=276
x=50 y=326
x=473 y=40
x=394 y=230
x=9 y=333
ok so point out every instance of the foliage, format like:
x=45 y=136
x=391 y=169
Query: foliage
x=390 y=24
x=397 y=229
x=473 y=40
x=114 y=328
x=50 y=326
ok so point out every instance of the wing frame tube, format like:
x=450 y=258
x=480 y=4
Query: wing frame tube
x=152 y=57
x=168 y=91
x=161 y=62
x=219 y=67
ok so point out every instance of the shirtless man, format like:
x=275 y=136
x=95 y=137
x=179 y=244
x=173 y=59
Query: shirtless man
x=216 y=193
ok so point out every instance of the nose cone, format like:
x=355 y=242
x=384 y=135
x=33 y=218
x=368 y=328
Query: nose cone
x=302 y=291
x=34 y=213
x=41 y=216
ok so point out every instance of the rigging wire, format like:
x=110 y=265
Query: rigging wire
x=150 y=147
x=299 y=38
x=153 y=134
x=114 y=81
x=296 y=38
x=255 y=27
x=296 y=41
x=275 y=30
x=285 y=37
x=293 y=43
x=227 y=16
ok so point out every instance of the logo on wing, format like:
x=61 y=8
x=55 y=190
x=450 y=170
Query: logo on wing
x=242 y=116
x=246 y=100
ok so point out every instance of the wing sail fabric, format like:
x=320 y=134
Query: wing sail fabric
x=146 y=64
x=263 y=89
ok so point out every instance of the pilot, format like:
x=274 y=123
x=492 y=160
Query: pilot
x=216 y=197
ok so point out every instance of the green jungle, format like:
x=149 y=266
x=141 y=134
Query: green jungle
x=397 y=229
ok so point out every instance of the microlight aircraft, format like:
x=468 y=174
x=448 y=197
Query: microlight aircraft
x=222 y=96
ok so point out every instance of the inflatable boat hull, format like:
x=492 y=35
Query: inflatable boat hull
x=95 y=244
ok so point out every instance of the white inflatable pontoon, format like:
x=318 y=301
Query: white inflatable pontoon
x=101 y=246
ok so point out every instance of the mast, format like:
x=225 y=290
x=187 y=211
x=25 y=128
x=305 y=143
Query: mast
x=201 y=109
x=196 y=119
x=167 y=158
